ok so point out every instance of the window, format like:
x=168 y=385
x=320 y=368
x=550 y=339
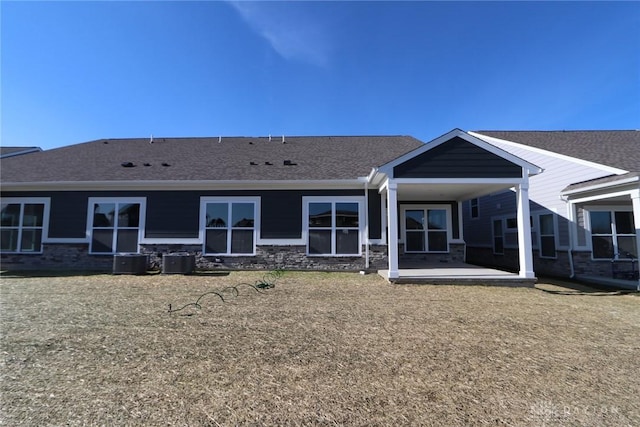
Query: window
x=333 y=227
x=613 y=234
x=512 y=223
x=115 y=225
x=229 y=227
x=426 y=229
x=547 y=236
x=22 y=226
x=498 y=237
x=475 y=208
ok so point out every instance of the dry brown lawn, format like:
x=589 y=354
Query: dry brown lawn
x=318 y=349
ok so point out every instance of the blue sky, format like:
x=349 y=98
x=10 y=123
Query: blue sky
x=82 y=70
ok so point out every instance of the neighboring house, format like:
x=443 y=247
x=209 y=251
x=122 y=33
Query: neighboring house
x=585 y=207
x=323 y=203
x=17 y=151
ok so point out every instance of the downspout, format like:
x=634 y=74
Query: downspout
x=570 y=211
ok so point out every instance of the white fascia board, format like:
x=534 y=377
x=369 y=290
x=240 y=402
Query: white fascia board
x=609 y=169
x=507 y=181
x=185 y=185
x=469 y=137
x=605 y=185
x=603 y=196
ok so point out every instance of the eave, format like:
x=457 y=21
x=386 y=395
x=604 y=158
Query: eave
x=337 y=184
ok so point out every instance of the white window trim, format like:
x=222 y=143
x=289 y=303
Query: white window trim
x=141 y=222
x=221 y=199
x=46 y=201
x=587 y=223
x=539 y=233
x=360 y=200
x=477 y=217
x=426 y=206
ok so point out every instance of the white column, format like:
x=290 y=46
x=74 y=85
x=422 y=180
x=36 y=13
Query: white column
x=392 y=226
x=524 y=229
x=635 y=201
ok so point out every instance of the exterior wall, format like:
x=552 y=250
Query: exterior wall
x=270 y=258
x=544 y=194
x=175 y=214
x=455 y=254
x=558 y=267
x=55 y=256
x=75 y=257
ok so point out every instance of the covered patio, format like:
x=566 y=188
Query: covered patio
x=423 y=194
x=455 y=273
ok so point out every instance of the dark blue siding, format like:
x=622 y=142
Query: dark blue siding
x=176 y=214
x=173 y=214
x=457 y=158
x=375 y=215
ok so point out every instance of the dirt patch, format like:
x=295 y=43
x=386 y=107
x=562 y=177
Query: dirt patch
x=317 y=349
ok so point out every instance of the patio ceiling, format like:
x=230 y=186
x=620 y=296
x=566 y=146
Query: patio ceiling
x=447 y=192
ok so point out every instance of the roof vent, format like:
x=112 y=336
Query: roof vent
x=289 y=163
x=105 y=142
x=268 y=163
x=127 y=164
x=151 y=139
x=219 y=139
x=253 y=163
x=166 y=164
x=147 y=164
x=269 y=137
x=283 y=141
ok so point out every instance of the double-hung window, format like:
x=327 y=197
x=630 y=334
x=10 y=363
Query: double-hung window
x=115 y=225
x=22 y=225
x=333 y=226
x=547 y=236
x=229 y=226
x=498 y=237
x=613 y=234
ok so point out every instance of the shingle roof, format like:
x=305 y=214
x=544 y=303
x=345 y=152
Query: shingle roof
x=615 y=148
x=202 y=159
